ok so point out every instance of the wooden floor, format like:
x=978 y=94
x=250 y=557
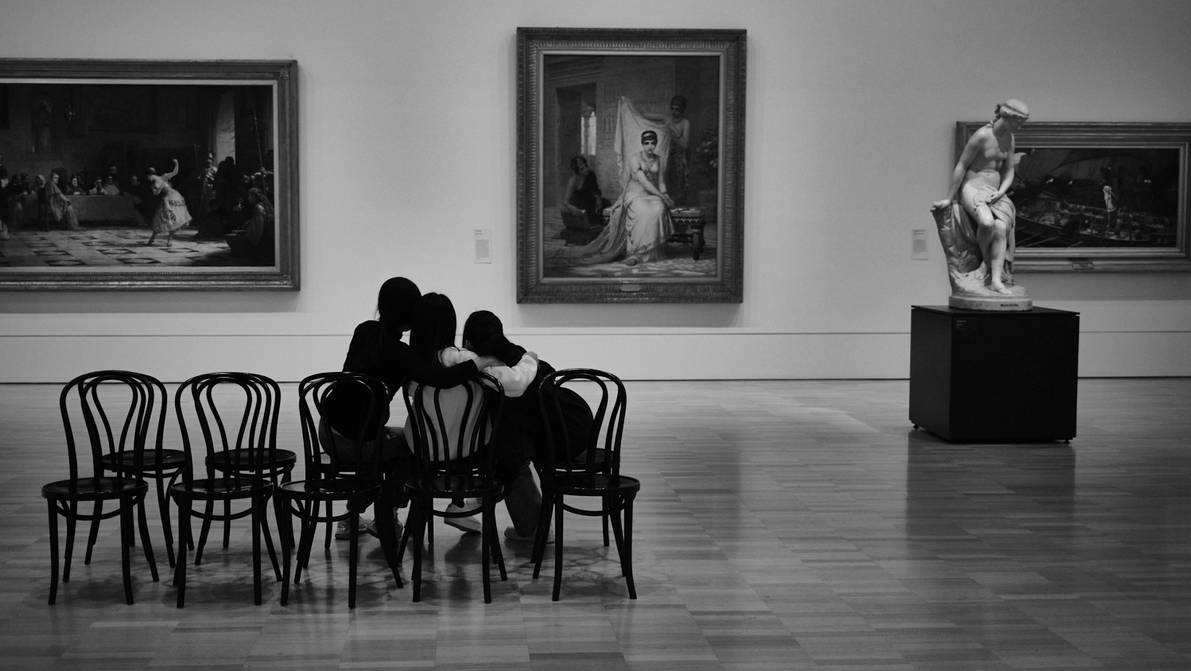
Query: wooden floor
x=781 y=525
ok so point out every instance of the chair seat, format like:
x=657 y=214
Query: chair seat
x=170 y=460
x=593 y=484
x=283 y=461
x=94 y=489
x=334 y=489
x=222 y=488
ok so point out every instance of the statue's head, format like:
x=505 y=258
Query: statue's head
x=1012 y=109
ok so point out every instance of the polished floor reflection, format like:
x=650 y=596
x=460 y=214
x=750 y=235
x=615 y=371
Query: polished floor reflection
x=781 y=525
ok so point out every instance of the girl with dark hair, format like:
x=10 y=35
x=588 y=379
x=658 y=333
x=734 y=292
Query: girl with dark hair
x=377 y=350
x=433 y=336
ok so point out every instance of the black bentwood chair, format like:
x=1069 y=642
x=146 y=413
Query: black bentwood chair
x=237 y=415
x=453 y=429
x=162 y=466
x=117 y=412
x=584 y=463
x=350 y=470
x=278 y=464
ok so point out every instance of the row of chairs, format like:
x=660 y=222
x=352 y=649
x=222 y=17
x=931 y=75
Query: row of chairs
x=228 y=423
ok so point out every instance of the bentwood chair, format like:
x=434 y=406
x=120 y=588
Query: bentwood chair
x=584 y=463
x=350 y=470
x=454 y=456
x=162 y=466
x=236 y=414
x=279 y=463
x=117 y=412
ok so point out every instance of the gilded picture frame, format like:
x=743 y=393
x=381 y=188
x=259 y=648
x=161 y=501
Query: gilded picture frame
x=662 y=223
x=149 y=175
x=1099 y=197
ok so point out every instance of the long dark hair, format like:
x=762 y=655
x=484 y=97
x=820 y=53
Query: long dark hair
x=396 y=304
x=433 y=326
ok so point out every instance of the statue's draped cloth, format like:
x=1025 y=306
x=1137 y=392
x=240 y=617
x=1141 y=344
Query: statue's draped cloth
x=959 y=234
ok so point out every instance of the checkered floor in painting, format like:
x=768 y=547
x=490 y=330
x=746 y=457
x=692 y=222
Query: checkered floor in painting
x=114 y=247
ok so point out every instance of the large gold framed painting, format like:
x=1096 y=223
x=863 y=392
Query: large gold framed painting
x=630 y=165
x=143 y=174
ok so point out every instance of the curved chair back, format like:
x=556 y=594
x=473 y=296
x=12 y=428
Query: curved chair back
x=583 y=411
x=237 y=414
x=343 y=421
x=451 y=428
x=122 y=413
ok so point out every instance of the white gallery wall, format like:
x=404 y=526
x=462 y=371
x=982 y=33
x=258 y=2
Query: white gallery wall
x=408 y=145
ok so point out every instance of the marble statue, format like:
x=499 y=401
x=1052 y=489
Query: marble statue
x=976 y=219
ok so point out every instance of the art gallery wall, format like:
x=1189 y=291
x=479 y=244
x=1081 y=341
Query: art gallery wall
x=407 y=130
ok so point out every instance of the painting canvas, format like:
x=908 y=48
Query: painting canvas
x=148 y=175
x=630 y=165
x=1098 y=196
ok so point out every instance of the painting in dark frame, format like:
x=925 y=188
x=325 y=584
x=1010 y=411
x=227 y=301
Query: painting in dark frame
x=230 y=126
x=588 y=100
x=1099 y=196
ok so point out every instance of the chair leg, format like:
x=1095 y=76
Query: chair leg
x=418 y=510
x=486 y=547
x=209 y=512
x=269 y=539
x=627 y=558
x=383 y=506
x=353 y=557
x=183 y=543
x=258 y=512
x=604 y=519
x=92 y=535
x=306 y=540
x=285 y=532
x=558 y=513
x=330 y=526
x=146 y=545
x=542 y=533
x=163 y=508
x=53 y=550
x=126 y=535
x=227 y=524
x=494 y=538
x=72 y=516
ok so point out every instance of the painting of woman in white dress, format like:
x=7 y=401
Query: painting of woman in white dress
x=639 y=221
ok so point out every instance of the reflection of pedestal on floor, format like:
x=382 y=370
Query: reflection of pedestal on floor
x=967 y=271
x=981 y=376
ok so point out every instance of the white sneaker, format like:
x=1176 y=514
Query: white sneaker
x=343 y=530
x=468 y=525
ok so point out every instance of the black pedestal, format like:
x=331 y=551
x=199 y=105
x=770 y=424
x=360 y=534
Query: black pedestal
x=994 y=376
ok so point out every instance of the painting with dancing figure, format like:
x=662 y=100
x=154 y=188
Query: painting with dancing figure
x=630 y=165
x=147 y=175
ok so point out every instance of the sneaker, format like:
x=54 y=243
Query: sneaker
x=368 y=527
x=343 y=529
x=468 y=525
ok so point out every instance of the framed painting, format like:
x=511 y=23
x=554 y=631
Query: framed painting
x=630 y=165
x=128 y=174
x=1099 y=196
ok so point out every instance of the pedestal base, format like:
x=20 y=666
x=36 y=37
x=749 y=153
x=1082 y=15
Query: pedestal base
x=991 y=303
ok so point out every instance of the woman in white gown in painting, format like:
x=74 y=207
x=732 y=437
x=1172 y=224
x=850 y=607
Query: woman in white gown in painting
x=639 y=223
